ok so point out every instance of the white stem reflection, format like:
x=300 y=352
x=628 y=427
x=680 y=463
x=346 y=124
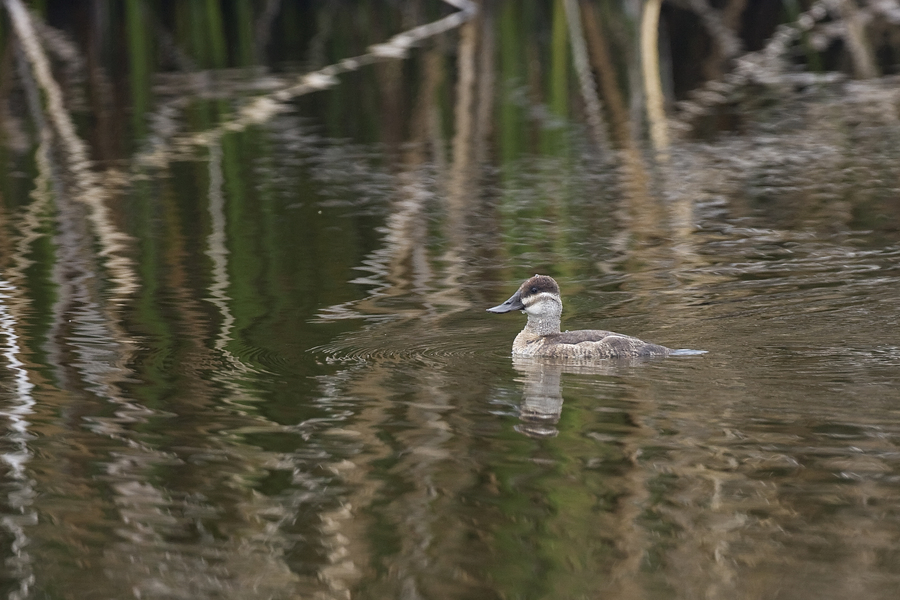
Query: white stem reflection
x=17 y=453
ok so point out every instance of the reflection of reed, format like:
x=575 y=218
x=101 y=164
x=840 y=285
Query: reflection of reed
x=768 y=66
x=463 y=175
x=48 y=185
x=91 y=352
x=486 y=80
x=217 y=251
x=594 y=110
x=714 y=21
x=651 y=232
x=88 y=189
x=719 y=502
x=263 y=26
x=400 y=264
x=656 y=113
x=264 y=108
x=29 y=225
x=104 y=339
x=420 y=453
x=630 y=537
x=860 y=52
x=263 y=544
x=403 y=262
x=642 y=213
x=16 y=452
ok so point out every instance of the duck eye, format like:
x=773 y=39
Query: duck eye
x=533 y=290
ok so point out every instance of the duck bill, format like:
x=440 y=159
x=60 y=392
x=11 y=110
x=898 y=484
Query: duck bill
x=514 y=303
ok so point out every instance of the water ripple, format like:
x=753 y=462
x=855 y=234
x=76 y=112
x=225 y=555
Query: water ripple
x=409 y=342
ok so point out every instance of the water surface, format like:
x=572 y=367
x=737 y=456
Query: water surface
x=245 y=352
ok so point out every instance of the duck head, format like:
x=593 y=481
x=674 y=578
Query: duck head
x=538 y=296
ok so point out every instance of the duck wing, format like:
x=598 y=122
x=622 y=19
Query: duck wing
x=599 y=343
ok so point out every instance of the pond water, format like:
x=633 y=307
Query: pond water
x=244 y=350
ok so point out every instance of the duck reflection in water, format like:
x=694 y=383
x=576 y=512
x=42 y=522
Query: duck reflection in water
x=539 y=298
x=542 y=399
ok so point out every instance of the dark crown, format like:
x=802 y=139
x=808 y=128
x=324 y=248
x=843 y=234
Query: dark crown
x=538 y=284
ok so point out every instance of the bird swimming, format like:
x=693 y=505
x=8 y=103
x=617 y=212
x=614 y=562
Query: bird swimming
x=539 y=298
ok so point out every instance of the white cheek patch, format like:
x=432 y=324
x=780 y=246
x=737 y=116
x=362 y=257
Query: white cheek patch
x=533 y=305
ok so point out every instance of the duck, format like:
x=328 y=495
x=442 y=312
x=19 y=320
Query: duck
x=539 y=298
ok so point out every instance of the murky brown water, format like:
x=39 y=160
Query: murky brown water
x=244 y=351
